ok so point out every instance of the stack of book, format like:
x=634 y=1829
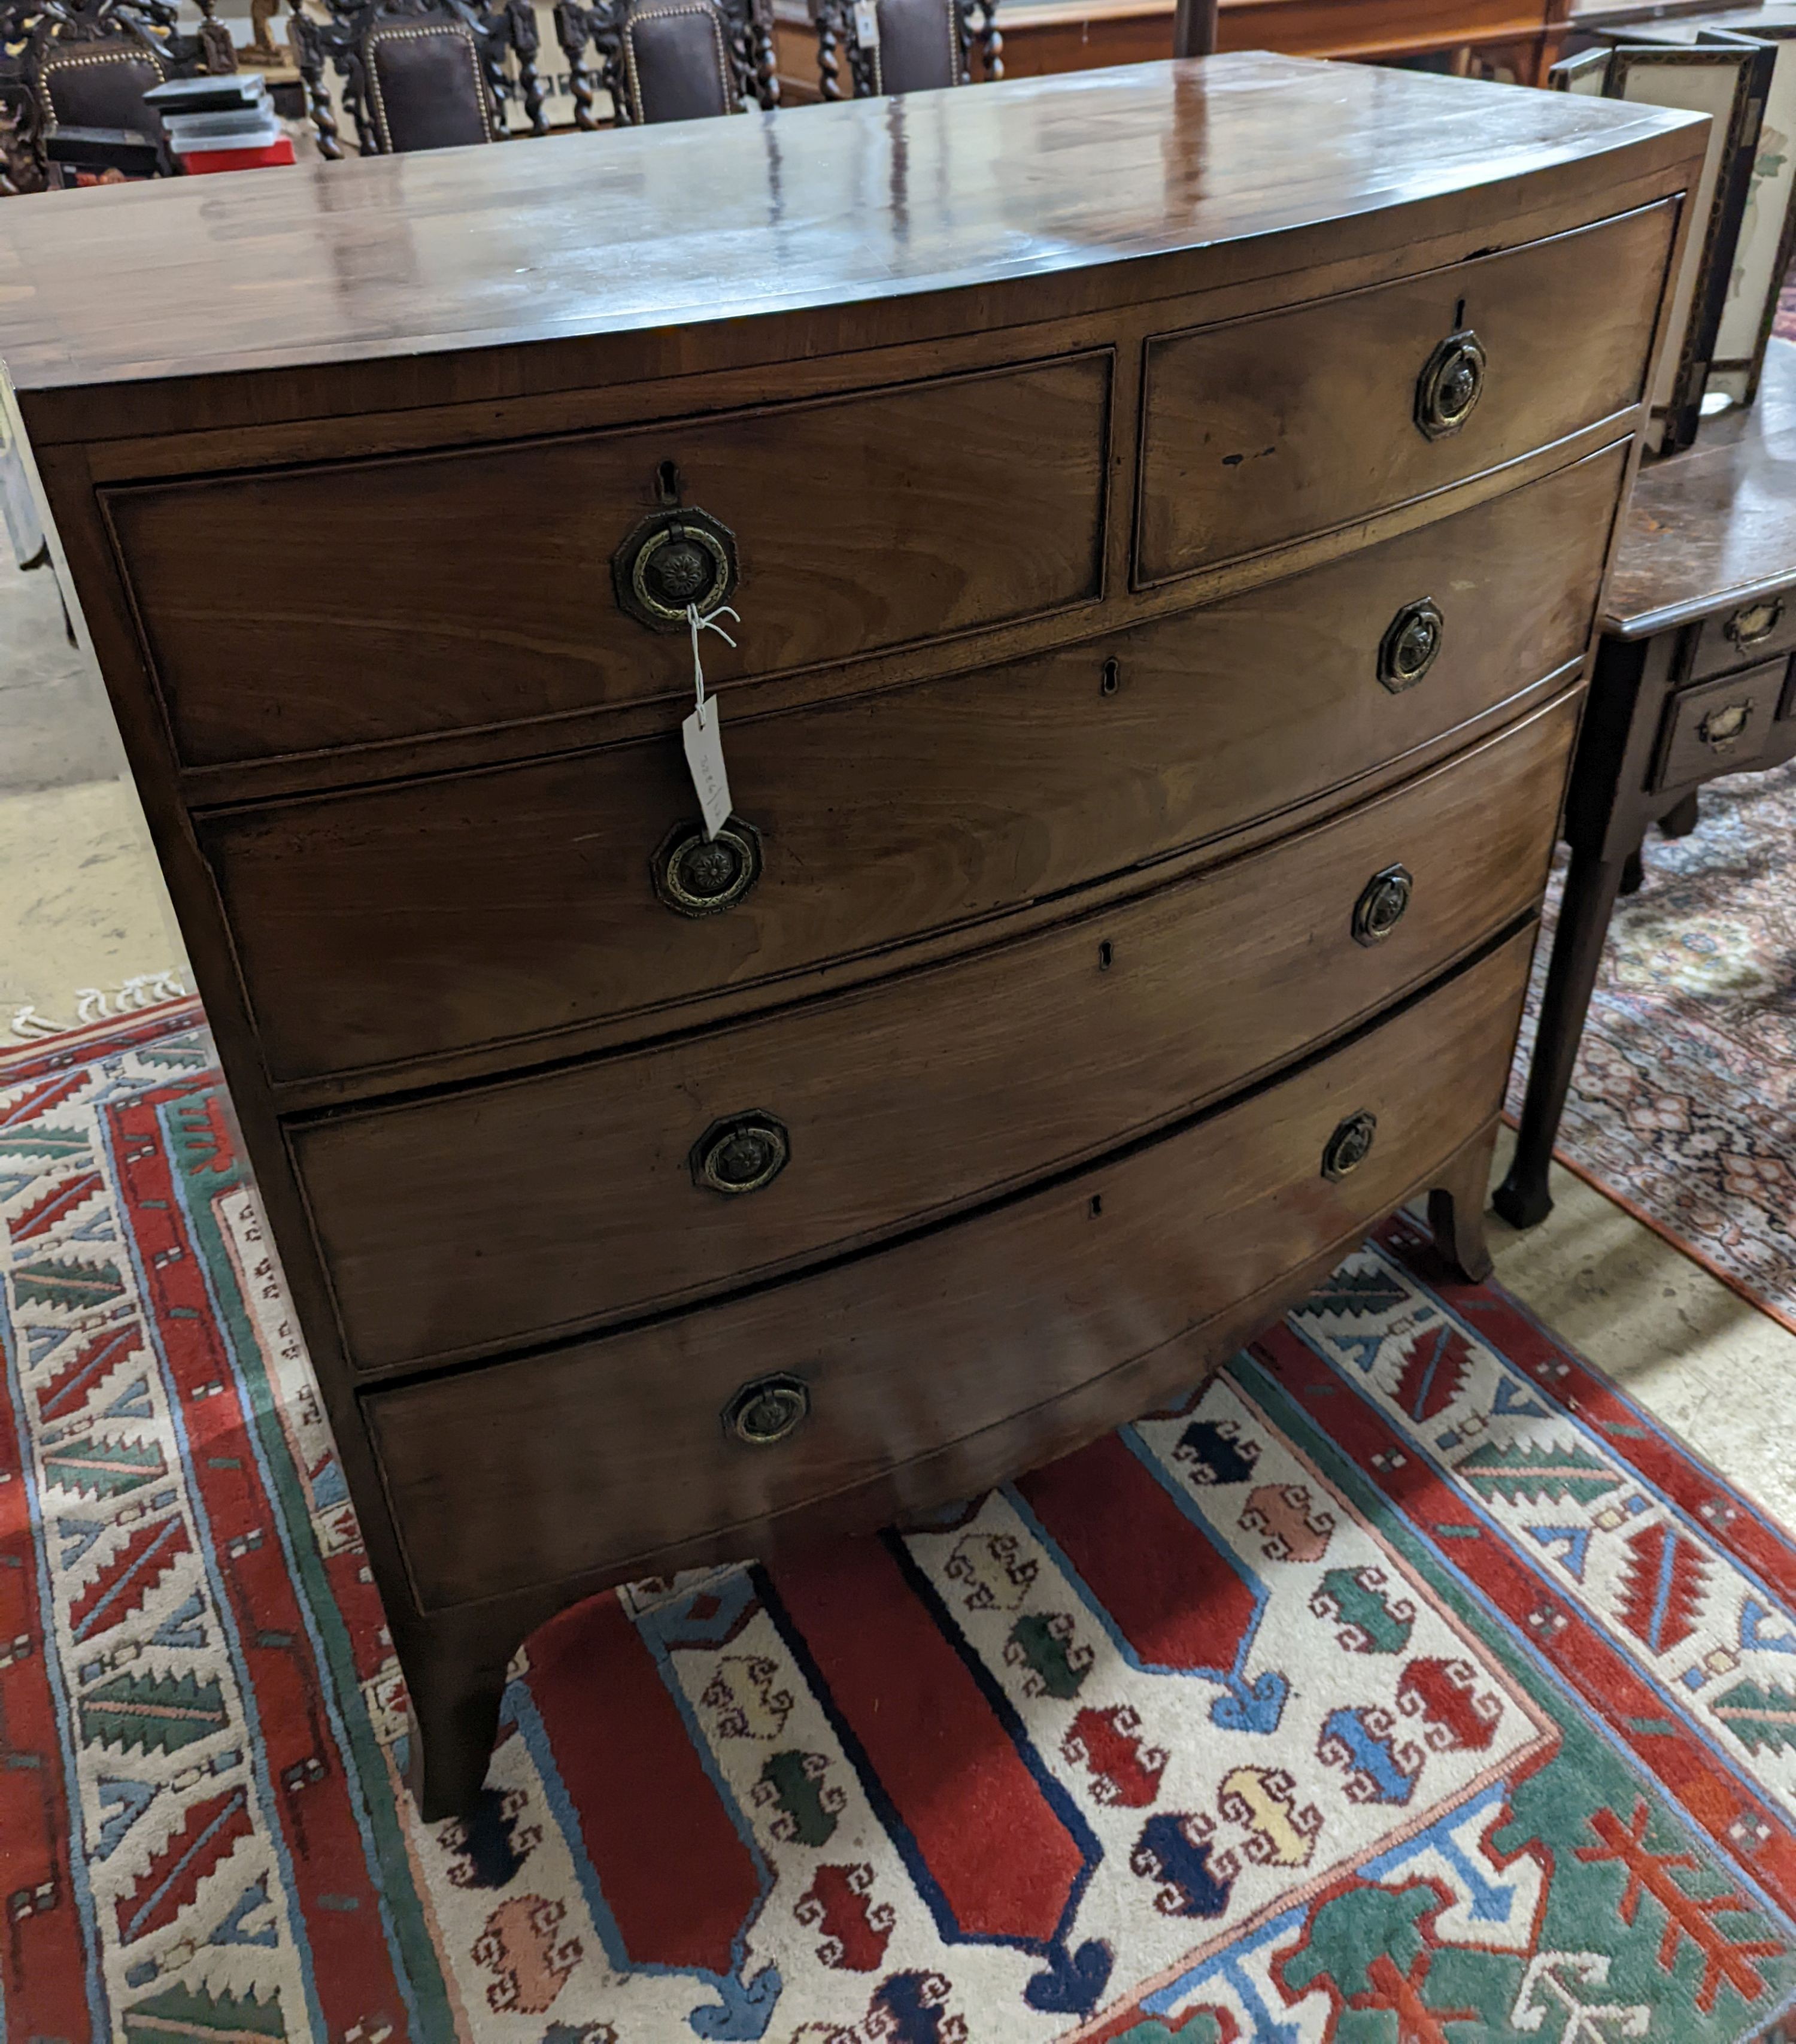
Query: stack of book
x=226 y=123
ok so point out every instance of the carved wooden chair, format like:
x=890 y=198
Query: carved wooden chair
x=668 y=59
x=87 y=63
x=419 y=74
x=905 y=45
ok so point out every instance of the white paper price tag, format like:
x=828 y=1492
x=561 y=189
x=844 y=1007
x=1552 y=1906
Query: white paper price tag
x=866 y=24
x=704 y=743
x=701 y=734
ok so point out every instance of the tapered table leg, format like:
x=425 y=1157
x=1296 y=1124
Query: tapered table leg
x=1591 y=887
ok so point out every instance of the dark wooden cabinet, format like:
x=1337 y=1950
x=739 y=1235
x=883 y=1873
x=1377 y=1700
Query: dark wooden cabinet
x=1165 y=572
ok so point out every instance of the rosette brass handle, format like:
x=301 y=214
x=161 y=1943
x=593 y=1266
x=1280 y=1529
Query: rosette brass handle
x=741 y=1154
x=767 y=1410
x=1381 y=901
x=673 y=559
x=694 y=875
x=1411 y=645
x=1753 y=623
x=1349 y=1145
x=1450 y=385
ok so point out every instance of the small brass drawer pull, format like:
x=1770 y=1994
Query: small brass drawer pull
x=1753 y=623
x=1381 y=901
x=767 y=1410
x=1349 y=1145
x=741 y=1154
x=671 y=559
x=695 y=876
x=1410 y=645
x=1722 y=727
x=1450 y=385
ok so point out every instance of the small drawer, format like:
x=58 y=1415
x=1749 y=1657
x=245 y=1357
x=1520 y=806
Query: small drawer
x=1719 y=726
x=503 y=1213
x=1747 y=632
x=1264 y=430
x=486 y=908
x=368 y=601
x=673 y=1444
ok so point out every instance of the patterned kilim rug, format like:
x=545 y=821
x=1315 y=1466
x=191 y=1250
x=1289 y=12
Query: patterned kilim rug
x=1683 y=1103
x=1409 y=1685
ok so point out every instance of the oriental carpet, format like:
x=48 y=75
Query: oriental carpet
x=1407 y=1683
x=1682 y=1106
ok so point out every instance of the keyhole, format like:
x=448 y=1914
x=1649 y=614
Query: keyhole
x=1459 y=315
x=667 y=483
x=1111 y=680
x=1097 y=1205
x=1105 y=954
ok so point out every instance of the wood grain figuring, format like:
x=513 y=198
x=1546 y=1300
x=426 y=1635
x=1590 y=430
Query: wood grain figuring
x=505 y=1214
x=491 y=1474
x=500 y=906
x=1261 y=430
x=475 y=588
x=168 y=307
x=1050 y=990
x=1716 y=526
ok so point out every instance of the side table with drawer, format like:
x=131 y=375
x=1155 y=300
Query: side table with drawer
x=1163 y=570
x=1693 y=679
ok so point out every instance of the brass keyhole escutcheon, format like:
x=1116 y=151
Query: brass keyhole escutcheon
x=697 y=876
x=1722 y=727
x=1753 y=623
x=1451 y=383
x=767 y=1410
x=1349 y=1145
x=1381 y=901
x=1411 y=645
x=741 y=1154
x=672 y=559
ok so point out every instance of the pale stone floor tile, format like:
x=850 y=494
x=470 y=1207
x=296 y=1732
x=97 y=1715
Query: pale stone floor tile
x=1696 y=1355
x=82 y=903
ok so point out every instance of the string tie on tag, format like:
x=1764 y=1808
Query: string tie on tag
x=708 y=623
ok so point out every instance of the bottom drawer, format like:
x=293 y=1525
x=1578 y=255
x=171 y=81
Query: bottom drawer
x=600 y=1459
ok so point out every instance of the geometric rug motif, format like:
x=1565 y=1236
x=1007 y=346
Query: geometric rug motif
x=1406 y=1682
x=1682 y=1105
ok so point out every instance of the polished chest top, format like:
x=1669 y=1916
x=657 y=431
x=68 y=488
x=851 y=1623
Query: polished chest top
x=1164 y=563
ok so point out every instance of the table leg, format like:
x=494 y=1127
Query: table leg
x=1591 y=887
x=1682 y=820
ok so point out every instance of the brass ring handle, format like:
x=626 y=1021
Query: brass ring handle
x=1450 y=385
x=694 y=875
x=1725 y=724
x=1753 y=623
x=1381 y=905
x=671 y=559
x=767 y=1410
x=741 y=1154
x=1349 y=1145
x=1411 y=645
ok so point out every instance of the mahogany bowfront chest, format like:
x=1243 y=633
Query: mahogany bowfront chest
x=1163 y=512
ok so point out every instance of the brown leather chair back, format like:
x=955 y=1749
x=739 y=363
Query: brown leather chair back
x=425 y=88
x=99 y=85
x=676 y=61
x=919 y=45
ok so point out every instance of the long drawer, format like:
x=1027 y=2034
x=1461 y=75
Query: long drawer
x=505 y=1212
x=392 y=923
x=1258 y=430
x=492 y=1472
x=318 y=608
